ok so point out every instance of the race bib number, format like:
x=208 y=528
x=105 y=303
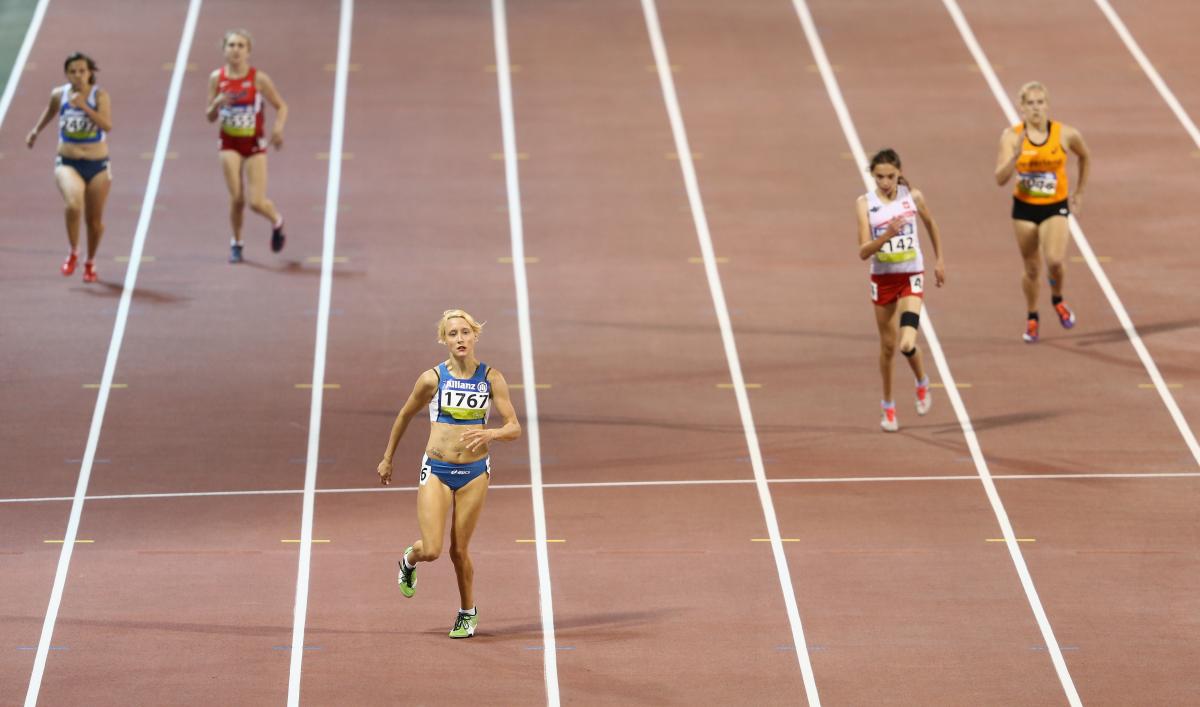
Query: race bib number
x=78 y=127
x=900 y=247
x=916 y=284
x=425 y=472
x=1039 y=185
x=239 y=121
x=465 y=404
x=874 y=291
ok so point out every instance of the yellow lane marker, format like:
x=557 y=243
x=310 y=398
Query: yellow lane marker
x=30 y=65
x=1020 y=540
x=943 y=385
x=749 y=386
x=336 y=259
x=675 y=68
x=549 y=540
x=288 y=540
x=327 y=386
x=812 y=68
x=767 y=540
x=1150 y=386
x=96 y=386
x=500 y=155
x=521 y=386
x=150 y=155
x=973 y=67
x=512 y=68
x=696 y=260
x=1100 y=258
x=675 y=155
x=508 y=259
x=170 y=66
x=63 y=542
x=125 y=258
x=350 y=67
x=325 y=155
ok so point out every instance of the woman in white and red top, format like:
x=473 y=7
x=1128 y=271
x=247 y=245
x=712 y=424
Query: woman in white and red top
x=887 y=235
x=235 y=96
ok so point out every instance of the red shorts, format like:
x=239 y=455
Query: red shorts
x=244 y=146
x=886 y=289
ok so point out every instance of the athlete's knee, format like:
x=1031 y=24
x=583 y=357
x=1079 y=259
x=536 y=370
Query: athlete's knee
x=260 y=205
x=459 y=555
x=887 y=349
x=74 y=206
x=95 y=225
x=1032 y=269
x=1055 y=268
x=430 y=551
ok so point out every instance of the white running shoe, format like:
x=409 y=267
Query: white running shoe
x=924 y=399
x=888 y=422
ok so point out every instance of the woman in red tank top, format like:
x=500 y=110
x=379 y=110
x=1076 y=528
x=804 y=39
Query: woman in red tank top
x=235 y=96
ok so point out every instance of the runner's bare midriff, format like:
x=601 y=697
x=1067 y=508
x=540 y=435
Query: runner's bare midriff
x=444 y=444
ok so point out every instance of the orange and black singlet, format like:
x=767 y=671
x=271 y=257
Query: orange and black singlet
x=1041 y=169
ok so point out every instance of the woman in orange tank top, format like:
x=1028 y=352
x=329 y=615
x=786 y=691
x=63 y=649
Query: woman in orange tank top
x=1035 y=150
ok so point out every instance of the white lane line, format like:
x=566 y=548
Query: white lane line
x=525 y=330
x=18 y=68
x=935 y=347
x=1151 y=73
x=699 y=217
x=631 y=484
x=333 y=186
x=114 y=350
x=1081 y=241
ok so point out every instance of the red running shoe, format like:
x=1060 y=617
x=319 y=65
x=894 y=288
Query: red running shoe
x=1031 y=331
x=1065 y=316
x=89 y=272
x=68 y=266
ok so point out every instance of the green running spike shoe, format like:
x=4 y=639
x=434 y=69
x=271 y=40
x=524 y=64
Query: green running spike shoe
x=408 y=578
x=464 y=625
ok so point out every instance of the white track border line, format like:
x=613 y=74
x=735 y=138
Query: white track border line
x=1081 y=241
x=935 y=347
x=692 y=184
x=525 y=330
x=1151 y=73
x=18 y=68
x=114 y=349
x=332 y=188
x=627 y=484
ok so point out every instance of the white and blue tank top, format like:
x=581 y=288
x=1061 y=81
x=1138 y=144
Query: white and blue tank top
x=74 y=125
x=461 y=401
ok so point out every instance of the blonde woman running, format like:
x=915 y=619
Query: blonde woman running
x=459 y=394
x=1036 y=151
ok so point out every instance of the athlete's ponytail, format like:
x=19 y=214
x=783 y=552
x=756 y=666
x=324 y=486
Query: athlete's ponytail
x=889 y=156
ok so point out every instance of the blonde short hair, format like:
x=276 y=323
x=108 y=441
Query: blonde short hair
x=456 y=314
x=241 y=33
x=1033 y=86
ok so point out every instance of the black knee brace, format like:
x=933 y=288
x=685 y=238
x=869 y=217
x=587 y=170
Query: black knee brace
x=910 y=353
x=911 y=319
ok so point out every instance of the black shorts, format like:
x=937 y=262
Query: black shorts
x=1037 y=213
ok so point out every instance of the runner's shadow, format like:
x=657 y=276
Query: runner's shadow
x=295 y=267
x=982 y=424
x=140 y=294
x=596 y=625
x=1117 y=335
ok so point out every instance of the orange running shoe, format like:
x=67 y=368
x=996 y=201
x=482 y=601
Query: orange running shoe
x=888 y=422
x=1065 y=316
x=89 y=272
x=924 y=399
x=68 y=266
x=1031 y=331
